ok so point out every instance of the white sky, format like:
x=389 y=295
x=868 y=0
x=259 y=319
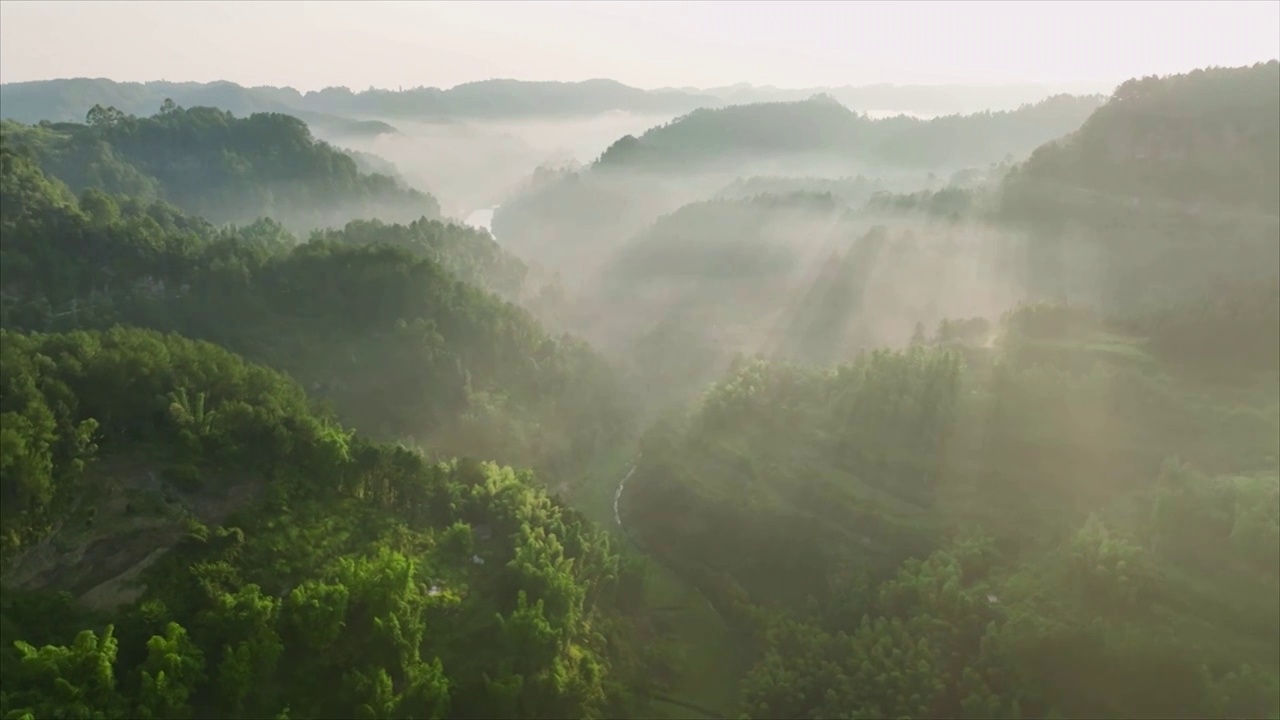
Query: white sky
x=311 y=45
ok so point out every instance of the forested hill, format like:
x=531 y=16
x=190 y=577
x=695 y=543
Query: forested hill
x=821 y=127
x=231 y=552
x=370 y=318
x=223 y=168
x=1038 y=517
x=1207 y=139
x=185 y=533
x=572 y=220
x=1170 y=190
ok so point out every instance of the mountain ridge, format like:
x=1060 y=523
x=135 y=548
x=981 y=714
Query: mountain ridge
x=58 y=99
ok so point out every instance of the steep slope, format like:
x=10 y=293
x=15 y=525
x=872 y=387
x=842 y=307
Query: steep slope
x=340 y=577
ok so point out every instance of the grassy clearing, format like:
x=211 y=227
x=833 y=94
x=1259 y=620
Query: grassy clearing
x=711 y=660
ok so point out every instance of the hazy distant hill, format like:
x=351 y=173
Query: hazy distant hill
x=1170 y=190
x=330 y=110
x=694 y=157
x=67 y=100
x=922 y=100
x=1206 y=138
x=826 y=130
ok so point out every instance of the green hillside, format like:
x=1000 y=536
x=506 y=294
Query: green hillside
x=223 y=168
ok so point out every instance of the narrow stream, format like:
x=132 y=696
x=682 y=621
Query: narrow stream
x=617 y=516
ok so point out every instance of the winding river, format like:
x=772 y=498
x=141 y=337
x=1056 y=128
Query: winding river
x=482 y=218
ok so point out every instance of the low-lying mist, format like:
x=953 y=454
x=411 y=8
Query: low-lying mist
x=767 y=266
x=801 y=277
x=575 y=221
x=475 y=164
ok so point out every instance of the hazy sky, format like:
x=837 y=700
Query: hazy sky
x=311 y=45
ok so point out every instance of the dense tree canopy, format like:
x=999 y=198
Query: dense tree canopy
x=1167 y=193
x=369 y=317
x=338 y=587
x=1207 y=139
x=212 y=164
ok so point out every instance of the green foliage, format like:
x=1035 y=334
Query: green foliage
x=173 y=670
x=708 y=136
x=571 y=222
x=72 y=384
x=73 y=682
x=1205 y=137
x=351 y=588
x=1098 y=586
x=1166 y=195
x=469 y=254
x=210 y=163
x=1062 y=513
x=368 y=318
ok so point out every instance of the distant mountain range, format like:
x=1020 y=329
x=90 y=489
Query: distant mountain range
x=69 y=100
x=921 y=100
x=566 y=220
x=343 y=111
x=822 y=128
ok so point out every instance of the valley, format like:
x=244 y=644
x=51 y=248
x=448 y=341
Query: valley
x=580 y=400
